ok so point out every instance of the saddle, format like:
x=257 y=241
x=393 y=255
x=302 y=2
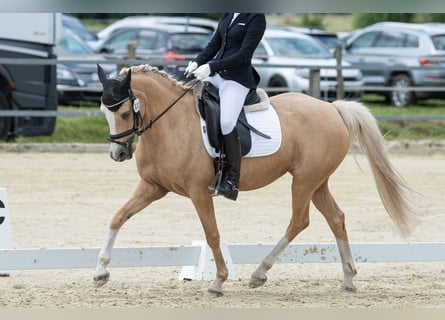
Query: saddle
x=209 y=109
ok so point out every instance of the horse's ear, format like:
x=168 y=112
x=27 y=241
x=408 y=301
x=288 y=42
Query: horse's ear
x=126 y=81
x=102 y=75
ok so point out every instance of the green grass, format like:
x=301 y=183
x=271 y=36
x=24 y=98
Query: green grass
x=95 y=129
x=425 y=107
x=74 y=129
x=412 y=130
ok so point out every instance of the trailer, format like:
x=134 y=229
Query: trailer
x=28 y=78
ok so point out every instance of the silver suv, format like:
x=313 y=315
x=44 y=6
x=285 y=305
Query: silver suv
x=400 y=55
x=284 y=59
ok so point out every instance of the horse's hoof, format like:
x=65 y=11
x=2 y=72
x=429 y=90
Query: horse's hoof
x=100 y=283
x=101 y=280
x=348 y=288
x=257 y=282
x=215 y=293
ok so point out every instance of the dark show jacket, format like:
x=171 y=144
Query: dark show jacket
x=231 y=48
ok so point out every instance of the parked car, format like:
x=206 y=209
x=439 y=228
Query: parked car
x=297 y=53
x=400 y=55
x=159 y=45
x=142 y=21
x=329 y=39
x=79 y=81
x=76 y=26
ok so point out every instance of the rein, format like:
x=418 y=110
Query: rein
x=138 y=118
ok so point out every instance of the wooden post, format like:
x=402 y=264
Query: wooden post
x=340 y=82
x=314 y=83
x=131 y=54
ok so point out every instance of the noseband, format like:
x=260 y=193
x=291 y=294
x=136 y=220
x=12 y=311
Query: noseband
x=137 y=118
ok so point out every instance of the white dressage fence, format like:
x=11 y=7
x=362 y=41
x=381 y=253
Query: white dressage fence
x=196 y=260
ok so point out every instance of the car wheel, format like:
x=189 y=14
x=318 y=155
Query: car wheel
x=277 y=82
x=401 y=96
x=5 y=122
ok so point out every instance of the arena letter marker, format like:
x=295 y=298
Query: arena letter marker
x=6 y=241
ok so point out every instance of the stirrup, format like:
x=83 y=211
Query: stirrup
x=213 y=188
x=228 y=190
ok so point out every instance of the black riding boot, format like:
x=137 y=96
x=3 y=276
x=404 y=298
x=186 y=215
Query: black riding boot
x=232 y=150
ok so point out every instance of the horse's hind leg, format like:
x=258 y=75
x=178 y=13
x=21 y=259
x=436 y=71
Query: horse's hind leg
x=144 y=194
x=301 y=195
x=326 y=204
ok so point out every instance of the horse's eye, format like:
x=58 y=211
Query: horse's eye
x=126 y=115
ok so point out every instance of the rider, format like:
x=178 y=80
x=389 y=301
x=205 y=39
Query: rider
x=226 y=63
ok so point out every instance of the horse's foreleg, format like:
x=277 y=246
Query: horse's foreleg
x=206 y=212
x=326 y=204
x=101 y=274
x=144 y=194
x=299 y=221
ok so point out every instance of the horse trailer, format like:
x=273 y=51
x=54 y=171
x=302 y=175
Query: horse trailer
x=27 y=83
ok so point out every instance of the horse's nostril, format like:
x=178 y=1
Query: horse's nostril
x=122 y=155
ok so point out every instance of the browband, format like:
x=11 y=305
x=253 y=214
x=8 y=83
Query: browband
x=117 y=104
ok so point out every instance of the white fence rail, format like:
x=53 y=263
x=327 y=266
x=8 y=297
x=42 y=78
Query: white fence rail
x=73 y=258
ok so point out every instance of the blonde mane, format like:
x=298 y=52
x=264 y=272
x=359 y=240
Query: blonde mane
x=146 y=68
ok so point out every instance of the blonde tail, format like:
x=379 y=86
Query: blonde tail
x=395 y=194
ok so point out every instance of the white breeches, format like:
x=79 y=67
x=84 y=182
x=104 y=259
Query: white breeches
x=232 y=96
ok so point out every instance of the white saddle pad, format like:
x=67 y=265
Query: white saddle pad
x=265 y=121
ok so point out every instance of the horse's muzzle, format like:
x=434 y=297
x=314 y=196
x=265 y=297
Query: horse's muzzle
x=121 y=155
x=121 y=151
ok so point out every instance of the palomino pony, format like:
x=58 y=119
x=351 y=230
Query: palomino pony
x=170 y=156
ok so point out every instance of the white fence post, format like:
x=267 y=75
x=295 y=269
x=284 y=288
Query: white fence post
x=205 y=269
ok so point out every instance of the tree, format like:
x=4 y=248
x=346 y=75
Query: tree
x=362 y=20
x=432 y=17
x=312 y=20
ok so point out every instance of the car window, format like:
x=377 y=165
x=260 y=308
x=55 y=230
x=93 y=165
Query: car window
x=330 y=41
x=295 y=47
x=411 y=41
x=439 y=41
x=120 y=41
x=79 y=28
x=70 y=44
x=260 y=51
x=151 y=40
x=389 y=39
x=185 y=42
x=385 y=39
x=366 y=40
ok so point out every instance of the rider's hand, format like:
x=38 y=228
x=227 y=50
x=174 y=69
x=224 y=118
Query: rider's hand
x=202 y=72
x=190 y=68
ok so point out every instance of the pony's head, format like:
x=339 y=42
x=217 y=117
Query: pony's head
x=121 y=109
